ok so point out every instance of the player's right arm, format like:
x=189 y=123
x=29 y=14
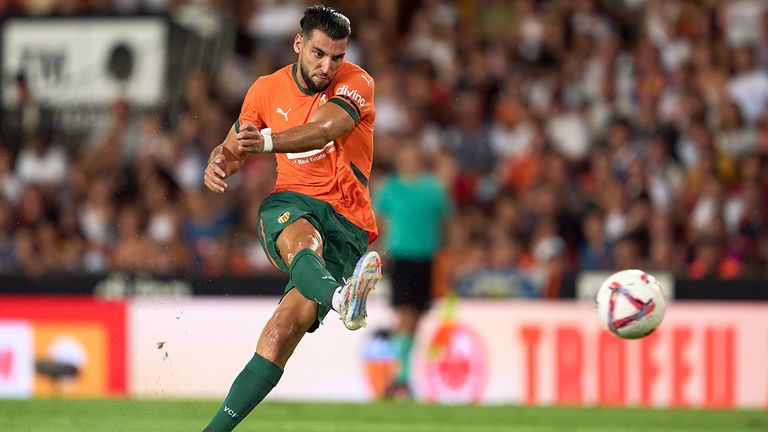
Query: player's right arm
x=225 y=160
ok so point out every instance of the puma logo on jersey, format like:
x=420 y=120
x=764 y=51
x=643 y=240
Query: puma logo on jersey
x=352 y=94
x=367 y=81
x=283 y=113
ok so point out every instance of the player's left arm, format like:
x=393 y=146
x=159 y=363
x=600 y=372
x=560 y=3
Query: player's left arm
x=327 y=123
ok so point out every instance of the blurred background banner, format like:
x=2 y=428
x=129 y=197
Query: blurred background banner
x=74 y=62
x=16 y=359
x=62 y=347
x=503 y=351
x=534 y=352
x=172 y=343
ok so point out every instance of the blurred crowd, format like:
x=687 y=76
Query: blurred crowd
x=570 y=134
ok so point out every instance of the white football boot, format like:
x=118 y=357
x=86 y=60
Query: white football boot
x=355 y=292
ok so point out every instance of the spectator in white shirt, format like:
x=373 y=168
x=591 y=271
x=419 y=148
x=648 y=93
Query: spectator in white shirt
x=748 y=87
x=41 y=163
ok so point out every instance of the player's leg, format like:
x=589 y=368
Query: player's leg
x=299 y=244
x=282 y=333
x=295 y=314
x=402 y=341
x=280 y=336
x=291 y=244
x=307 y=239
x=410 y=298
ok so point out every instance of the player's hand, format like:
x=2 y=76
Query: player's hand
x=249 y=140
x=214 y=174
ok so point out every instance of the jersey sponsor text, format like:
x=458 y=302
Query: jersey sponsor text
x=352 y=94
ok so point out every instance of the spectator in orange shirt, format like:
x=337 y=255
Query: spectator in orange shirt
x=711 y=261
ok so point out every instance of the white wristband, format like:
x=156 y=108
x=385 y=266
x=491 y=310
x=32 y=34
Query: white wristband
x=267 y=134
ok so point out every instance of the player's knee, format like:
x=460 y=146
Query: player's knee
x=297 y=236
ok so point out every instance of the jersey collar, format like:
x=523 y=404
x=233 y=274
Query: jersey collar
x=303 y=89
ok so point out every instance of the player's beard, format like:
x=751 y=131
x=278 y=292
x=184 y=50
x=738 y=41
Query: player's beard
x=311 y=86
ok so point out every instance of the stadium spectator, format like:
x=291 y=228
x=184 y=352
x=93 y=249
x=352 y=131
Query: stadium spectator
x=204 y=225
x=32 y=207
x=748 y=86
x=710 y=260
x=7 y=252
x=10 y=186
x=70 y=237
x=114 y=139
x=594 y=252
x=451 y=257
x=664 y=255
x=41 y=162
x=502 y=273
x=24 y=116
x=469 y=140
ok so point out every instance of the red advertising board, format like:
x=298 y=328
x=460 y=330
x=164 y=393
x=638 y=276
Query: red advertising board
x=710 y=355
x=80 y=337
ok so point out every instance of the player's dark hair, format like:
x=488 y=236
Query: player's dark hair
x=327 y=20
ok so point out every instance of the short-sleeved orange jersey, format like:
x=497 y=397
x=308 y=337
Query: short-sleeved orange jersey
x=338 y=173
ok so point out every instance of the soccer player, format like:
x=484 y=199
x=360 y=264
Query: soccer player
x=413 y=205
x=317 y=116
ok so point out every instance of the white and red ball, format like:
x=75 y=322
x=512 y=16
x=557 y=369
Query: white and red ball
x=630 y=304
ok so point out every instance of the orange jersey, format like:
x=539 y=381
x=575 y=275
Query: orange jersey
x=338 y=173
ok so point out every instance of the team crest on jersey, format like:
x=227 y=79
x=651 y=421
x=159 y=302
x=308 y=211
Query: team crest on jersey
x=284 y=217
x=323 y=100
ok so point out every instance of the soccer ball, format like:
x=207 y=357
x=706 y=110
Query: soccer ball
x=630 y=304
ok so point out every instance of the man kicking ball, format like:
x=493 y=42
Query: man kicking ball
x=316 y=116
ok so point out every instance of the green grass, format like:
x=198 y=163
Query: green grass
x=192 y=416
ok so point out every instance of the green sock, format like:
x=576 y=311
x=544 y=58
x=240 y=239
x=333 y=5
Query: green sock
x=403 y=343
x=311 y=277
x=257 y=379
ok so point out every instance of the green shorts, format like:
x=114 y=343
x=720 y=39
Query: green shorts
x=343 y=242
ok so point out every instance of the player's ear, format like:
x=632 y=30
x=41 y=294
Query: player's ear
x=297 y=41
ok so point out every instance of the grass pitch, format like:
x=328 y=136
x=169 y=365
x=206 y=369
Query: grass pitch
x=191 y=416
